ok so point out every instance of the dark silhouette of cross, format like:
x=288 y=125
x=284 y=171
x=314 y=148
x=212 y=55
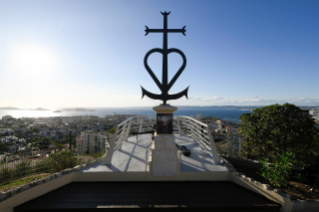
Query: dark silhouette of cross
x=165 y=31
x=164 y=86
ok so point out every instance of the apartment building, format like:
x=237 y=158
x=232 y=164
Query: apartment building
x=91 y=142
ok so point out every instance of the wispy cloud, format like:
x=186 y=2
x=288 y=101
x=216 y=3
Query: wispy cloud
x=267 y=101
x=209 y=99
x=255 y=100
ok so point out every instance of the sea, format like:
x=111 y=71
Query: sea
x=224 y=114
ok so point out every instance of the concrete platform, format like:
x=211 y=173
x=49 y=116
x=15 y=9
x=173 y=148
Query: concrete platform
x=132 y=162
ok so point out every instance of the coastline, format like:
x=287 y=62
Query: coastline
x=224 y=114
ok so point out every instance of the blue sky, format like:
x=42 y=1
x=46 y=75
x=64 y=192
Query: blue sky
x=90 y=53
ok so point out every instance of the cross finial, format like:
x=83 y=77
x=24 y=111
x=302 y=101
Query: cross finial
x=165 y=13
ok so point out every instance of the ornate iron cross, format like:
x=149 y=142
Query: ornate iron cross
x=164 y=86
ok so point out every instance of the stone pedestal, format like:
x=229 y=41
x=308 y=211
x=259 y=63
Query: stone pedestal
x=164 y=119
x=164 y=161
x=164 y=141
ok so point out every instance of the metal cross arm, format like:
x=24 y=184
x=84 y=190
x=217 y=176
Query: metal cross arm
x=147 y=30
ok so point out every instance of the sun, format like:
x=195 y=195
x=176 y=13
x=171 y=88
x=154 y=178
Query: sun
x=32 y=60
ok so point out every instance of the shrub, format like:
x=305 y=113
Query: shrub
x=80 y=161
x=98 y=154
x=42 y=166
x=278 y=173
x=22 y=169
x=62 y=160
x=5 y=175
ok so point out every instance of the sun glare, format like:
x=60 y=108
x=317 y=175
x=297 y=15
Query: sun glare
x=33 y=60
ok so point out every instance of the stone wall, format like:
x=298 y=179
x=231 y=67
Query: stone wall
x=243 y=162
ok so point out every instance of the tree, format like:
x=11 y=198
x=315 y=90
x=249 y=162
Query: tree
x=67 y=139
x=60 y=146
x=34 y=130
x=32 y=139
x=18 y=134
x=112 y=130
x=42 y=143
x=3 y=147
x=272 y=130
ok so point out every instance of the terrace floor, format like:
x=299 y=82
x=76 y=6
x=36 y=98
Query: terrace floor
x=135 y=154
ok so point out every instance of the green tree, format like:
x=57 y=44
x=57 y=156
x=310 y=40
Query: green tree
x=3 y=147
x=42 y=143
x=272 y=130
x=60 y=146
x=67 y=139
x=32 y=140
x=18 y=134
x=112 y=130
x=34 y=130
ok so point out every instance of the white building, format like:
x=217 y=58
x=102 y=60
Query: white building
x=234 y=142
x=6 y=118
x=90 y=142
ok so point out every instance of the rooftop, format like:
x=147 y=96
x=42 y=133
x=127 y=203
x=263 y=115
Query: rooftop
x=135 y=153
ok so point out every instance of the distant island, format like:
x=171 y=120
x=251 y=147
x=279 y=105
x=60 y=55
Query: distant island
x=40 y=109
x=9 y=108
x=79 y=109
x=15 y=108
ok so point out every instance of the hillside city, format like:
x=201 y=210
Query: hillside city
x=38 y=137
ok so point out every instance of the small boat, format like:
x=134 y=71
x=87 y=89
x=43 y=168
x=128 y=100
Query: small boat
x=57 y=111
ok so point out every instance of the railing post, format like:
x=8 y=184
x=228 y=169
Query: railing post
x=109 y=155
x=179 y=126
x=127 y=132
x=215 y=155
x=122 y=134
x=200 y=136
x=141 y=124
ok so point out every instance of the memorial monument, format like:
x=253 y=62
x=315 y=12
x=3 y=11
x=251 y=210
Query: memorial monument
x=164 y=161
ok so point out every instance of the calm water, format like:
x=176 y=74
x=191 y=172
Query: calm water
x=232 y=115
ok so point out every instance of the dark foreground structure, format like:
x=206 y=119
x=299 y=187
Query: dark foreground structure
x=158 y=196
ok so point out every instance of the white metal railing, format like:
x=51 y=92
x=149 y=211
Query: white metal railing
x=121 y=134
x=185 y=126
x=200 y=133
